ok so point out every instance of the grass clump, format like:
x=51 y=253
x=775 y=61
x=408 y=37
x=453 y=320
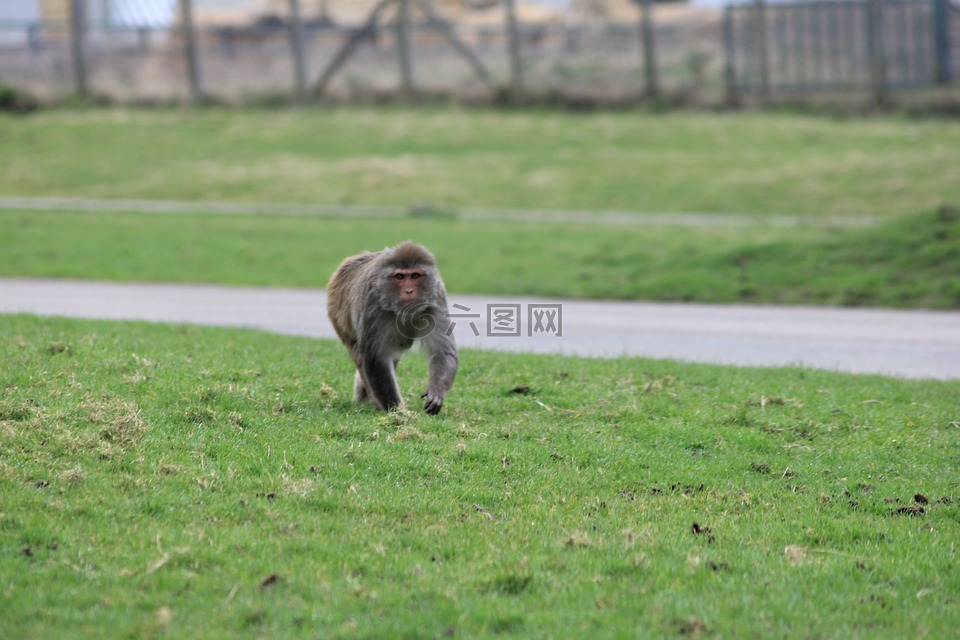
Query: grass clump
x=203 y=483
x=899 y=264
x=907 y=262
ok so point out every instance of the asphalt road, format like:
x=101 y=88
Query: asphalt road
x=911 y=344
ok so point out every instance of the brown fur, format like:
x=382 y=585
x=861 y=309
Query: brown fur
x=377 y=327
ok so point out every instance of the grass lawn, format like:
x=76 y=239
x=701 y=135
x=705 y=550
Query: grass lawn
x=900 y=173
x=160 y=481
x=906 y=262
x=744 y=163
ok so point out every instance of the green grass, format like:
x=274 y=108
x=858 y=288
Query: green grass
x=634 y=161
x=899 y=173
x=907 y=262
x=161 y=481
x=199 y=483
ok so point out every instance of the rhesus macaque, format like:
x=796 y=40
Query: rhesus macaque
x=379 y=303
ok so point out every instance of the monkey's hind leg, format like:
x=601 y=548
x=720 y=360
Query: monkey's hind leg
x=359 y=389
x=381 y=381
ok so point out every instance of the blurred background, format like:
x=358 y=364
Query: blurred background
x=603 y=52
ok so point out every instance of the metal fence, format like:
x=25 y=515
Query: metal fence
x=840 y=45
x=406 y=46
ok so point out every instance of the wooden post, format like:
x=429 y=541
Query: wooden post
x=296 y=49
x=513 y=40
x=343 y=54
x=190 y=49
x=875 y=48
x=78 y=45
x=403 y=48
x=651 y=87
x=763 y=52
x=729 y=65
x=943 y=74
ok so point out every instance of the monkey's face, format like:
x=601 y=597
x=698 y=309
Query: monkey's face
x=409 y=285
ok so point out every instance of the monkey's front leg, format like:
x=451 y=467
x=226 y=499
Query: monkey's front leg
x=381 y=382
x=443 y=369
x=433 y=402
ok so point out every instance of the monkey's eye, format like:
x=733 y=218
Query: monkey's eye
x=398 y=276
x=415 y=276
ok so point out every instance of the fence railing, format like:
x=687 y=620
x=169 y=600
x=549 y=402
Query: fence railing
x=406 y=46
x=838 y=45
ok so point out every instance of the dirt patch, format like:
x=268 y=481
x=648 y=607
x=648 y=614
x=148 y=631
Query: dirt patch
x=270 y=580
x=699 y=530
x=910 y=510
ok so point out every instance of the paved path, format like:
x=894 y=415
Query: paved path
x=208 y=207
x=914 y=344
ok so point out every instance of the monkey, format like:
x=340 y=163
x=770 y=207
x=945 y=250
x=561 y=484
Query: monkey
x=379 y=303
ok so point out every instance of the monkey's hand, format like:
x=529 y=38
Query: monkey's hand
x=433 y=403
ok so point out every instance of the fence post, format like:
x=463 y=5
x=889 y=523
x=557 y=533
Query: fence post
x=34 y=36
x=346 y=50
x=763 y=52
x=458 y=45
x=403 y=48
x=941 y=41
x=651 y=85
x=513 y=38
x=875 y=48
x=78 y=44
x=729 y=65
x=190 y=49
x=296 y=46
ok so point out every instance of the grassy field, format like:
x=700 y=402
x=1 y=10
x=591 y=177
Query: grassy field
x=902 y=174
x=907 y=262
x=744 y=163
x=160 y=481
x=166 y=481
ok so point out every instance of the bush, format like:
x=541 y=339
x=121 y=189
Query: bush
x=15 y=100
